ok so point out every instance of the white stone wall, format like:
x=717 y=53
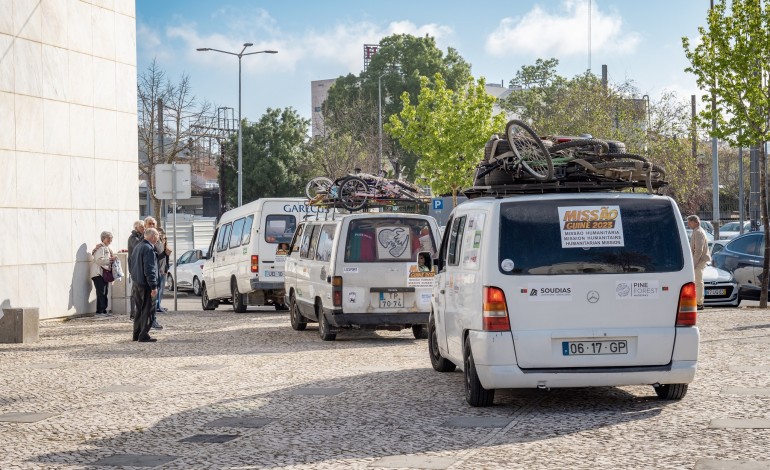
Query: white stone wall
x=68 y=146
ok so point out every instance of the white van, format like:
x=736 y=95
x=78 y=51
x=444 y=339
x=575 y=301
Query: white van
x=361 y=271
x=565 y=290
x=242 y=264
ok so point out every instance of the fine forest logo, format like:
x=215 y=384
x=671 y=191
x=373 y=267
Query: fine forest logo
x=394 y=240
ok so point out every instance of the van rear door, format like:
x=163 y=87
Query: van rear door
x=378 y=264
x=592 y=282
x=278 y=223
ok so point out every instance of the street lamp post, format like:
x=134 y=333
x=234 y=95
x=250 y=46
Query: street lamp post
x=379 y=113
x=240 y=142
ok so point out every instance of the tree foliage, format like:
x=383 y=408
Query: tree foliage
x=183 y=116
x=731 y=60
x=275 y=156
x=447 y=129
x=396 y=68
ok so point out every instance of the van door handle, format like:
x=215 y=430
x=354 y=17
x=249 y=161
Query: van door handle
x=441 y=291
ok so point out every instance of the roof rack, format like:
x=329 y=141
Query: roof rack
x=560 y=186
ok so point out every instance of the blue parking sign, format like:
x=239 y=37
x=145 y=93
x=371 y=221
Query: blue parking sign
x=438 y=204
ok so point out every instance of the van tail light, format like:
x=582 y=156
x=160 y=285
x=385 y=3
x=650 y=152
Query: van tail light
x=687 y=312
x=495 y=310
x=254 y=263
x=337 y=291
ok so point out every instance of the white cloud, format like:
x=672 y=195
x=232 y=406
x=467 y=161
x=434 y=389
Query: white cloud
x=341 y=44
x=561 y=34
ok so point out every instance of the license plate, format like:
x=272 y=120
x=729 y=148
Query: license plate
x=593 y=348
x=391 y=300
x=716 y=291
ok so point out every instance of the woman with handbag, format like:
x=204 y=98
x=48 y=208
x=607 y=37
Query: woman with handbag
x=101 y=272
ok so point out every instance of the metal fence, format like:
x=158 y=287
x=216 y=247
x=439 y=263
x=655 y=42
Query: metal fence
x=191 y=233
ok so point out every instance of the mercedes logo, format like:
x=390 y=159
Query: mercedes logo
x=592 y=296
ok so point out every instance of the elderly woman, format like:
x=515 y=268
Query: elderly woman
x=102 y=261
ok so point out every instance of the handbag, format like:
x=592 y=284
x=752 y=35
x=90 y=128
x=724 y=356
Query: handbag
x=117 y=270
x=107 y=276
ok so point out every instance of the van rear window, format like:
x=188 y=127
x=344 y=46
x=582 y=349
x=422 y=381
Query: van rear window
x=589 y=236
x=280 y=228
x=387 y=239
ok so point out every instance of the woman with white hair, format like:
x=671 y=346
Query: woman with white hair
x=102 y=262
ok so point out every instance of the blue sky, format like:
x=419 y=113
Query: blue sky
x=637 y=40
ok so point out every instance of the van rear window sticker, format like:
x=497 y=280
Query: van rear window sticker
x=393 y=243
x=590 y=226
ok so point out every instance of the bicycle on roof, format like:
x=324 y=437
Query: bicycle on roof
x=356 y=190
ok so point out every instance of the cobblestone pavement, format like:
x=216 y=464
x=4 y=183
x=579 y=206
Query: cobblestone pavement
x=245 y=391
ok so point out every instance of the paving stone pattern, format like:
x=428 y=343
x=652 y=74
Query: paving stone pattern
x=222 y=390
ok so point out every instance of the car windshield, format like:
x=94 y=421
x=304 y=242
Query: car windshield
x=588 y=236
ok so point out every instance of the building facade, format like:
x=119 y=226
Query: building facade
x=68 y=146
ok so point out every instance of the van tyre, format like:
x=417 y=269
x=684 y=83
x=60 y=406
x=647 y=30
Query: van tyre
x=419 y=332
x=206 y=302
x=671 y=391
x=324 y=329
x=439 y=363
x=196 y=286
x=475 y=393
x=297 y=321
x=239 y=306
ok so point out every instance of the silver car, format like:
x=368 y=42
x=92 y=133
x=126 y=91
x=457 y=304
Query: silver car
x=720 y=288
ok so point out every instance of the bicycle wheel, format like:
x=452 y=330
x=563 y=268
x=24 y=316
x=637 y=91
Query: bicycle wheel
x=354 y=193
x=605 y=147
x=528 y=147
x=318 y=185
x=657 y=172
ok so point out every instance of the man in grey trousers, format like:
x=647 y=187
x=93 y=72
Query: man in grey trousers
x=144 y=272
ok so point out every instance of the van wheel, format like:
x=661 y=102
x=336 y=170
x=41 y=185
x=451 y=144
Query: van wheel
x=324 y=329
x=207 y=304
x=438 y=362
x=475 y=393
x=419 y=332
x=238 y=305
x=297 y=321
x=671 y=391
x=196 y=286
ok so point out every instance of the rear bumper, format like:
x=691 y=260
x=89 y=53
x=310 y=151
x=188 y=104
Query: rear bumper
x=375 y=320
x=497 y=368
x=257 y=285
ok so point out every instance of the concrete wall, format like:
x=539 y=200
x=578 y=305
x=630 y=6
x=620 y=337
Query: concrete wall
x=68 y=146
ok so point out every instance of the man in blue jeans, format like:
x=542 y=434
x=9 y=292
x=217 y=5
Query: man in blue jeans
x=144 y=272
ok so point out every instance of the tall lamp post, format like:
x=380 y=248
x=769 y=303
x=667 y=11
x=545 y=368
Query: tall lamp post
x=379 y=106
x=240 y=141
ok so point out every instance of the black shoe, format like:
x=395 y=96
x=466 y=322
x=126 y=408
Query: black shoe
x=700 y=307
x=147 y=340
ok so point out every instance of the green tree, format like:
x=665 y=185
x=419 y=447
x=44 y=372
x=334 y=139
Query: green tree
x=275 y=155
x=731 y=60
x=398 y=65
x=447 y=129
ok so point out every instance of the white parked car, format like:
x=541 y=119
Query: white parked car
x=189 y=271
x=731 y=230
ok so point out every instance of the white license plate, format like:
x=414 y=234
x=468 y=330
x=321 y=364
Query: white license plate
x=716 y=291
x=593 y=348
x=391 y=300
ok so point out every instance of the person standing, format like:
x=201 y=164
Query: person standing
x=102 y=261
x=163 y=262
x=136 y=237
x=150 y=222
x=143 y=266
x=700 y=255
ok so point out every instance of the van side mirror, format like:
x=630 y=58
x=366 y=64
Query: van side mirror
x=424 y=261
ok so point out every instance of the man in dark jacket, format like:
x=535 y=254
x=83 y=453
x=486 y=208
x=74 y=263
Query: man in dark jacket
x=137 y=235
x=143 y=267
